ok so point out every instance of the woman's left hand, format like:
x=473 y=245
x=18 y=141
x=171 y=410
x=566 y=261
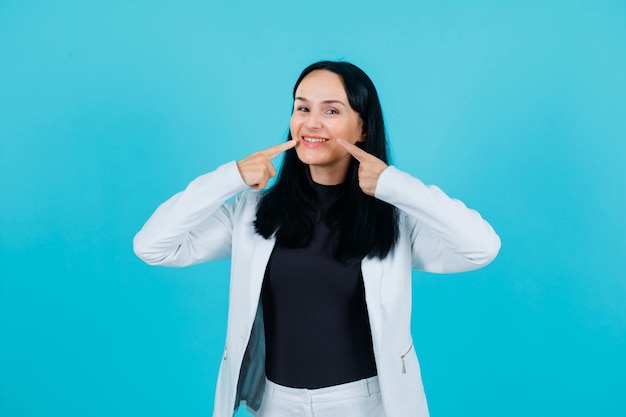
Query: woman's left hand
x=370 y=167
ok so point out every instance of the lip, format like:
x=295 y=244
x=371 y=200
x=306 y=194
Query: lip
x=313 y=144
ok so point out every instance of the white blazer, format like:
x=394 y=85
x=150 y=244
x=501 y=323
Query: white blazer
x=202 y=223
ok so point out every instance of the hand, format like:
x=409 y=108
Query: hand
x=370 y=167
x=257 y=169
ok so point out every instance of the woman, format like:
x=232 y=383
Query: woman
x=320 y=293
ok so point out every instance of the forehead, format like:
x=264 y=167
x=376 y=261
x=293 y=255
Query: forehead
x=322 y=85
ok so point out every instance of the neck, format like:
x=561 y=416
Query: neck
x=325 y=176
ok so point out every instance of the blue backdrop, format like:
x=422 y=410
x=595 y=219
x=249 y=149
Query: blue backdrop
x=109 y=107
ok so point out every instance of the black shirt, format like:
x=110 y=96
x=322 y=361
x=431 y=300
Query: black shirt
x=316 y=322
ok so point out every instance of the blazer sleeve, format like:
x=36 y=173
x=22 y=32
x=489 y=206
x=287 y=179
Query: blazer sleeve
x=194 y=225
x=446 y=236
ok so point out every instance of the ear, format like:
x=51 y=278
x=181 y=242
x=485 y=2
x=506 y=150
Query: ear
x=363 y=133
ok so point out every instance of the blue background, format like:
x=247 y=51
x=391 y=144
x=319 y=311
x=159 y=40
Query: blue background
x=109 y=107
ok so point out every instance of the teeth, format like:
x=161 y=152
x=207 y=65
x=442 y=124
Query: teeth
x=314 y=140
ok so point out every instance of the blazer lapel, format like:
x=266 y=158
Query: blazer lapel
x=260 y=256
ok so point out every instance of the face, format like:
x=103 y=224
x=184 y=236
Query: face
x=321 y=115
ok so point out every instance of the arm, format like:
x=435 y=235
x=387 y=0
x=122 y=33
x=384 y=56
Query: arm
x=194 y=225
x=446 y=236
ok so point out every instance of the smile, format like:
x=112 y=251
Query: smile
x=314 y=140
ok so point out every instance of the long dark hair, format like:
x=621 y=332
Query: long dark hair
x=364 y=225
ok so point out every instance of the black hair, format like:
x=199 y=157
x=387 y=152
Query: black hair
x=364 y=225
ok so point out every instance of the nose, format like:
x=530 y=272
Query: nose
x=313 y=121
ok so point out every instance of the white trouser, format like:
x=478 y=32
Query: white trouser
x=354 y=399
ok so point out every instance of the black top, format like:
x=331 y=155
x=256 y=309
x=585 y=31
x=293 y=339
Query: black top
x=316 y=323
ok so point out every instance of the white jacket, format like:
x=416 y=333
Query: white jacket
x=437 y=234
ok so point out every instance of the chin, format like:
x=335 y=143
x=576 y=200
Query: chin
x=305 y=158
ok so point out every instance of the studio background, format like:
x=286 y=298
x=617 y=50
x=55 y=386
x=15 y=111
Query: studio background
x=107 y=108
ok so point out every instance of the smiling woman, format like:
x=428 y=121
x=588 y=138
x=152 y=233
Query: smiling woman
x=324 y=258
x=321 y=115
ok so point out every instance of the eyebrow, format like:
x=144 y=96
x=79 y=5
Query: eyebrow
x=325 y=101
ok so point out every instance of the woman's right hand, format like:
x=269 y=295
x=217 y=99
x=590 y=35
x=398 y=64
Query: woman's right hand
x=257 y=169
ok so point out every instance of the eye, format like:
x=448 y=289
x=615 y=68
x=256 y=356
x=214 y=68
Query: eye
x=302 y=109
x=331 y=111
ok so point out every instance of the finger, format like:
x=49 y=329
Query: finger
x=355 y=151
x=274 y=151
x=271 y=171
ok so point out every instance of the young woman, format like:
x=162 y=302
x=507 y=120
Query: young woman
x=320 y=293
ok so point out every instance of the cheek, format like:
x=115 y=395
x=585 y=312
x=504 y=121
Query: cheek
x=352 y=130
x=294 y=125
x=304 y=156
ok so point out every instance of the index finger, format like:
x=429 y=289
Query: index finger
x=354 y=150
x=274 y=151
